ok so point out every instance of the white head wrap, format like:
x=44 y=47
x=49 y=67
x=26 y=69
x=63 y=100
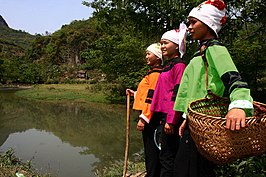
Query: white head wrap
x=172 y=36
x=177 y=36
x=211 y=13
x=156 y=50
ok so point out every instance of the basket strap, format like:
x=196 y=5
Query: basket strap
x=203 y=47
x=261 y=108
x=260 y=111
x=209 y=92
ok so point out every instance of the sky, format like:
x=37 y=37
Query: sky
x=41 y=16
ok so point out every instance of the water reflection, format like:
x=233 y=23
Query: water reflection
x=67 y=139
x=48 y=150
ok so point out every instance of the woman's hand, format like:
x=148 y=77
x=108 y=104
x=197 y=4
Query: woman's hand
x=168 y=129
x=182 y=127
x=141 y=124
x=130 y=92
x=235 y=119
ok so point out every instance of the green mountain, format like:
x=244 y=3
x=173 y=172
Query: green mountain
x=13 y=42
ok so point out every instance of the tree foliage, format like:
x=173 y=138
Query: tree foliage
x=114 y=39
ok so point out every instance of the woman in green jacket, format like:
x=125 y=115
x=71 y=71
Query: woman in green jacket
x=205 y=21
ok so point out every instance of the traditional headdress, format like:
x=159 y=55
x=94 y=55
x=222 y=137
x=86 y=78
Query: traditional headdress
x=156 y=50
x=177 y=36
x=211 y=13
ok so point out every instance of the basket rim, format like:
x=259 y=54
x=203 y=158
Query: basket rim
x=215 y=117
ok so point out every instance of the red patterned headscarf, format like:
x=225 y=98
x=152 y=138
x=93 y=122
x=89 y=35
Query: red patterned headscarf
x=212 y=13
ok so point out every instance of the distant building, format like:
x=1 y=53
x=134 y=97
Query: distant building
x=82 y=74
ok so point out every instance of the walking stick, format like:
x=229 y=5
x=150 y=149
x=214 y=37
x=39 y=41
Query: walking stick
x=127 y=134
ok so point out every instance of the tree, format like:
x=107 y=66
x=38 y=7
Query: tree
x=244 y=36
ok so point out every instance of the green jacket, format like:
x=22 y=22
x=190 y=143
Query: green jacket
x=223 y=80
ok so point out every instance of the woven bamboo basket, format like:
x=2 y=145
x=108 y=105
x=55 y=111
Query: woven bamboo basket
x=218 y=144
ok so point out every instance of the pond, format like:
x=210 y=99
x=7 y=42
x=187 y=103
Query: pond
x=66 y=139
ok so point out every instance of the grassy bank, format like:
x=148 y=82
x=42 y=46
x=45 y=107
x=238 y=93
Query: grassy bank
x=61 y=92
x=246 y=167
x=134 y=169
x=11 y=166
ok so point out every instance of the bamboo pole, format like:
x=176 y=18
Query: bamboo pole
x=127 y=134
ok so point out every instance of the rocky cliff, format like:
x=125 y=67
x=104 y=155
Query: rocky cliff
x=3 y=22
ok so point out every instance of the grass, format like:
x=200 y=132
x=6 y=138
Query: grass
x=11 y=166
x=136 y=169
x=60 y=92
x=246 y=167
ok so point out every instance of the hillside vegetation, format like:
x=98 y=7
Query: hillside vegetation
x=109 y=47
x=13 y=42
